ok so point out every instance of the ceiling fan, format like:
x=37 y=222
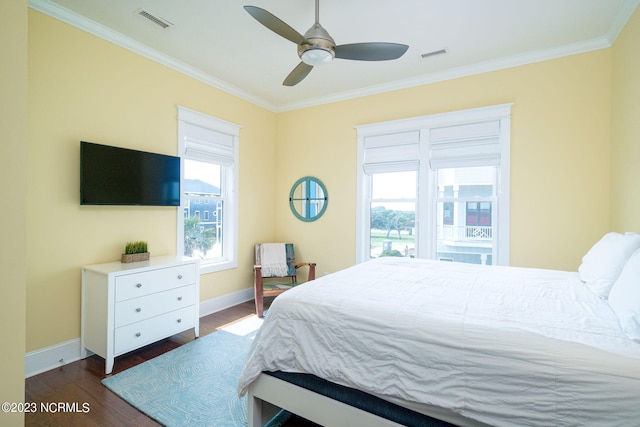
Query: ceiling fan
x=317 y=47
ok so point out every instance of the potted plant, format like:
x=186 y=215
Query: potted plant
x=135 y=251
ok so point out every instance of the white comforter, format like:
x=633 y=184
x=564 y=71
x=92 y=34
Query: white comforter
x=499 y=345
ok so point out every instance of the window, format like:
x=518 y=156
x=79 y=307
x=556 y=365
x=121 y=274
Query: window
x=207 y=227
x=435 y=187
x=466 y=236
x=478 y=214
x=393 y=213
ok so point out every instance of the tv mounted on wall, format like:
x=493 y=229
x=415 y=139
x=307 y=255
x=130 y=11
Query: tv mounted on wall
x=120 y=176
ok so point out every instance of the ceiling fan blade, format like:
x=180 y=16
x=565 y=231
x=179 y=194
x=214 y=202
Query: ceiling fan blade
x=371 y=51
x=298 y=74
x=274 y=23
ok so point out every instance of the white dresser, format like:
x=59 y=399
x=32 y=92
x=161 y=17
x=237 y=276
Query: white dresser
x=127 y=306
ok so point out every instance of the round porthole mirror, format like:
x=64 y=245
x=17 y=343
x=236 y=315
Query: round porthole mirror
x=308 y=199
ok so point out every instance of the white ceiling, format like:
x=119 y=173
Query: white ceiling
x=218 y=42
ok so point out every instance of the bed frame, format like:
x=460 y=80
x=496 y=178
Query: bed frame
x=268 y=394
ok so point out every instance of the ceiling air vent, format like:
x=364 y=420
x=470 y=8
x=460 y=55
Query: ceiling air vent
x=154 y=18
x=434 y=53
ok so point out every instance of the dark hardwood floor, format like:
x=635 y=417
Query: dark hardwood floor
x=79 y=382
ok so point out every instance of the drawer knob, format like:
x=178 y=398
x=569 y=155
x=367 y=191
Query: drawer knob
x=138 y=285
x=179 y=298
x=138 y=334
x=138 y=310
x=179 y=320
x=179 y=276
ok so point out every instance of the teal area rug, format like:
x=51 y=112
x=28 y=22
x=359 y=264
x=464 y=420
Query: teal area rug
x=193 y=385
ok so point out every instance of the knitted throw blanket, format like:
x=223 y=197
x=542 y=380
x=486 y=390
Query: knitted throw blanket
x=273 y=259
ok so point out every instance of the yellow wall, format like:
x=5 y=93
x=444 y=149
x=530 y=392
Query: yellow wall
x=13 y=152
x=625 y=197
x=84 y=88
x=560 y=146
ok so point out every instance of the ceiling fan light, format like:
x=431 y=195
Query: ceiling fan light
x=316 y=56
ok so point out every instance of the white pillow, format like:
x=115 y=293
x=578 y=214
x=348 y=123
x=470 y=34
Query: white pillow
x=602 y=265
x=624 y=298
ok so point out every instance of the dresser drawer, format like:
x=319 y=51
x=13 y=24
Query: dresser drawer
x=147 y=282
x=135 y=335
x=137 y=309
x=127 y=306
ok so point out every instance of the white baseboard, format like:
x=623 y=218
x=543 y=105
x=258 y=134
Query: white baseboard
x=214 y=305
x=45 y=359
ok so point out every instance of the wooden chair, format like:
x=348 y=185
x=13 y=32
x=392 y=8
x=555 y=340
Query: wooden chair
x=271 y=288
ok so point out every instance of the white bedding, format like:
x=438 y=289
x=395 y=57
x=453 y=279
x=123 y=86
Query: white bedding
x=503 y=346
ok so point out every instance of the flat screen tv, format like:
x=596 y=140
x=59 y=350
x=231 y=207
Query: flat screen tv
x=120 y=176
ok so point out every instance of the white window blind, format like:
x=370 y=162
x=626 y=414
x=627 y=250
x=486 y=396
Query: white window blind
x=208 y=145
x=474 y=144
x=392 y=153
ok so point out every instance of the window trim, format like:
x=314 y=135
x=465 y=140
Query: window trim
x=426 y=209
x=229 y=181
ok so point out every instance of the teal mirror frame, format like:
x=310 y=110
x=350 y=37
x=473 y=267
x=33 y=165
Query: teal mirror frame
x=308 y=199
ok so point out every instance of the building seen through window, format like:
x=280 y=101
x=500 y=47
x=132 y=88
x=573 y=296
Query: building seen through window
x=464 y=223
x=203 y=202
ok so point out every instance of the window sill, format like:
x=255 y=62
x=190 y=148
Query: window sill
x=213 y=267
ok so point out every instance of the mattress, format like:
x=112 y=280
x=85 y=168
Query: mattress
x=497 y=345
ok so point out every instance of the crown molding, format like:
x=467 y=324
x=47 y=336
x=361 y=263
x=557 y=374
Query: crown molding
x=463 y=71
x=65 y=15
x=69 y=17
x=627 y=9
x=625 y=13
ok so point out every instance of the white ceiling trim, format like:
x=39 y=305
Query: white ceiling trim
x=92 y=27
x=464 y=71
x=69 y=17
x=621 y=20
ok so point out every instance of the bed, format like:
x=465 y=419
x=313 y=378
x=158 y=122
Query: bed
x=471 y=345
